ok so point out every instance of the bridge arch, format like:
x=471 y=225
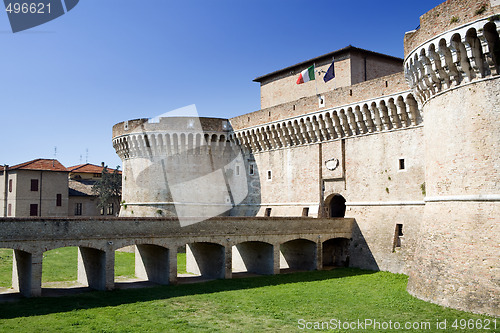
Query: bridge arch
x=336 y=252
x=298 y=254
x=253 y=257
x=152 y=263
x=206 y=259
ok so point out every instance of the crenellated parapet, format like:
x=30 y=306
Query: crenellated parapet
x=172 y=136
x=391 y=112
x=470 y=52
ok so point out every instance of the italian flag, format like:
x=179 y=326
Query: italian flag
x=306 y=75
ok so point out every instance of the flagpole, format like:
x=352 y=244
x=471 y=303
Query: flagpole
x=315 y=81
x=334 y=81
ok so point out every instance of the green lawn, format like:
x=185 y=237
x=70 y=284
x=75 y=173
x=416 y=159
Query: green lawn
x=5 y=268
x=282 y=303
x=61 y=265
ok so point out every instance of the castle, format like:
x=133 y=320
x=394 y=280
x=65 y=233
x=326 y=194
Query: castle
x=411 y=154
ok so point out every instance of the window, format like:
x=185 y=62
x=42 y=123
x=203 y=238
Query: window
x=10 y=185
x=305 y=211
x=268 y=212
x=34 y=185
x=78 y=208
x=237 y=170
x=251 y=169
x=398 y=233
x=111 y=209
x=34 y=210
x=97 y=175
x=58 y=199
x=269 y=175
x=401 y=164
x=9 y=210
x=321 y=101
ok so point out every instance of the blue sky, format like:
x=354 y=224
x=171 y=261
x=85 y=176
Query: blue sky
x=66 y=83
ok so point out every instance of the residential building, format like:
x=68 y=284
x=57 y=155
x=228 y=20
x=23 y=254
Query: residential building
x=34 y=188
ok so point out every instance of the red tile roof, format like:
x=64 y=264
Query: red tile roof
x=40 y=164
x=89 y=168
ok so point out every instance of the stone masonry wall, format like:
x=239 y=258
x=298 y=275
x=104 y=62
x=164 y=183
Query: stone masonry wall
x=359 y=92
x=375 y=67
x=284 y=88
x=379 y=195
x=446 y=16
x=457 y=262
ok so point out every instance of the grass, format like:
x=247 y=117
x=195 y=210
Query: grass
x=5 y=267
x=268 y=303
x=61 y=265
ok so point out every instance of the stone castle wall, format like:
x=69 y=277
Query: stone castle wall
x=383 y=86
x=448 y=15
x=457 y=262
x=379 y=194
x=455 y=78
x=283 y=87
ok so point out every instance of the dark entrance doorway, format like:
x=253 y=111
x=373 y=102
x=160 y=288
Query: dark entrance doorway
x=336 y=206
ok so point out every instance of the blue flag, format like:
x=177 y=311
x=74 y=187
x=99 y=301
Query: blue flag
x=330 y=73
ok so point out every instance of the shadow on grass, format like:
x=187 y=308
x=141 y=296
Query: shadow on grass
x=95 y=299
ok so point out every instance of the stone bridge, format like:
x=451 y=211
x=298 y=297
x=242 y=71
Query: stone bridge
x=215 y=248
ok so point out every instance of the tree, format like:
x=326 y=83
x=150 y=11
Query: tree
x=108 y=189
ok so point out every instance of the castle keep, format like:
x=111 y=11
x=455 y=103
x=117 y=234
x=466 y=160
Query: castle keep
x=408 y=148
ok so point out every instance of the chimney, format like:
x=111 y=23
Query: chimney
x=102 y=164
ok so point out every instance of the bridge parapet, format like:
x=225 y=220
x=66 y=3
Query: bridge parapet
x=15 y=231
x=278 y=242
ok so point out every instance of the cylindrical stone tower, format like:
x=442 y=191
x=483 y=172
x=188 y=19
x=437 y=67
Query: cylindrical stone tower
x=182 y=167
x=452 y=64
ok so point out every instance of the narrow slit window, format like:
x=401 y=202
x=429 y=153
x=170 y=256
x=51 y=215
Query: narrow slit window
x=269 y=175
x=268 y=212
x=401 y=164
x=10 y=185
x=58 y=199
x=398 y=233
x=251 y=170
x=321 y=101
